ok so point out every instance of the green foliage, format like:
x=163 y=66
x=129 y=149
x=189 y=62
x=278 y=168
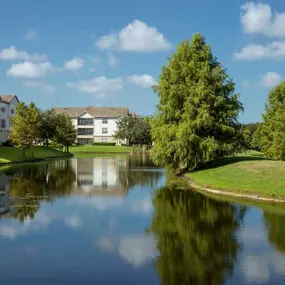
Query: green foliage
x=197 y=113
x=65 y=133
x=104 y=143
x=272 y=131
x=47 y=125
x=25 y=125
x=196 y=237
x=135 y=130
x=250 y=133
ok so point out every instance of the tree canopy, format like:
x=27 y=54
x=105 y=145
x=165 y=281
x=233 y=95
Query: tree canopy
x=135 y=130
x=196 y=117
x=272 y=131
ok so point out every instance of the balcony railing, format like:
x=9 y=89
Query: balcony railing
x=85 y=132
x=85 y=122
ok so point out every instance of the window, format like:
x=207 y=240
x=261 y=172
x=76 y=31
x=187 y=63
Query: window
x=12 y=111
x=104 y=139
x=85 y=122
x=104 y=130
x=83 y=131
x=3 y=109
x=3 y=124
x=105 y=121
x=85 y=141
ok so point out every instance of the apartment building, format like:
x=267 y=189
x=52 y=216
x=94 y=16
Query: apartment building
x=7 y=110
x=94 y=124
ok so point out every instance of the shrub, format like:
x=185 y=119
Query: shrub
x=104 y=143
x=8 y=143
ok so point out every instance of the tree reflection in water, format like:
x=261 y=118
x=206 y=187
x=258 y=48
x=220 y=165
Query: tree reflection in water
x=196 y=237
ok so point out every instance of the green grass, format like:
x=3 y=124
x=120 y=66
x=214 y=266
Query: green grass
x=100 y=149
x=246 y=174
x=13 y=154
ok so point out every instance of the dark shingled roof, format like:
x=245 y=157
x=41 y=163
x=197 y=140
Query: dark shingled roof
x=96 y=112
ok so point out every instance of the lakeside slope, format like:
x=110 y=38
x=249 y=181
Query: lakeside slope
x=14 y=155
x=249 y=175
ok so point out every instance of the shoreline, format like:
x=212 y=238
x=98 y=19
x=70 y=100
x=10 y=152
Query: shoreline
x=219 y=192
x=34 y=160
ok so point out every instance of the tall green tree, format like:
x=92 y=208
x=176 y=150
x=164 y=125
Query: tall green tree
x=272 y=131
x=250 y=134
x=47 y=125
x=65 y=133
x=25 y=125
x=135 y=130
x=197 y=112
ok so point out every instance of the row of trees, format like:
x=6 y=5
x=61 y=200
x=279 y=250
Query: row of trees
x=32 y=125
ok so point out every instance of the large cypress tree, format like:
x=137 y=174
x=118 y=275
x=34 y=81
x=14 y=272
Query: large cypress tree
x=272 y=131
x=197 y=113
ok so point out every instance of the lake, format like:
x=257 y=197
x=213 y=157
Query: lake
x=121 y=220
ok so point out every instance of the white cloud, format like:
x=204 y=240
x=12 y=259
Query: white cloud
x=40 y=222
x=98 y=86
x=31 y=35
x=91 y=69
x=112 y=60
x=12 y=53
x=274 y=50
x=135 y=249
x=144 y=80
x=73 y=221
x=74 y=64
x=271 y=79
x=258 y=18
x=142 y=207
x=47 y=88
x=29 y=69
x=135 y=37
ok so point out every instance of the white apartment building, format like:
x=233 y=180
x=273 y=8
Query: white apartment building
x=94 y=124
x=7 y=110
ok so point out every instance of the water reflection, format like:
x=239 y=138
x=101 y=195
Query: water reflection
x=22 y=188
x=196 y=237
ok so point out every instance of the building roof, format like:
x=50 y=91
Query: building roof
x=99 y=112
x=7 y=98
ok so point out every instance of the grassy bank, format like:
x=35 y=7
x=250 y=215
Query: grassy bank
x=243 y=174
x=100 y=149
x=13 y=154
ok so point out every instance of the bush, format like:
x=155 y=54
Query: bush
x=104 y=143
x=7 y=143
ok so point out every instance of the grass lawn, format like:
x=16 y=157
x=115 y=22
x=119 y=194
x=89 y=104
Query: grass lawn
x=13 y=154
x=100 y=149
x=245 y=174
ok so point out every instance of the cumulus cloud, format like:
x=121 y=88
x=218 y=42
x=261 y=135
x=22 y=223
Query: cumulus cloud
x=271 y=79
x=135 y=249
x=274 y=50
x=29 y=69
x=73 y=221
x=98 y=86
x=30 y=35
x=12 y=53
x=259 y=18
x=74 y=64
x=112 y=60
x=135 y=37
x=144 y=80
x=41 y=86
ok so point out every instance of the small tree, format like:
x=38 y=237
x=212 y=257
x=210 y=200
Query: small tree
x=24 y=130
x=65 y=132
x=135 y=130
x=197 y=112
x=47 y=125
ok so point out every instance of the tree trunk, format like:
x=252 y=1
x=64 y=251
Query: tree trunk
x=46 y=142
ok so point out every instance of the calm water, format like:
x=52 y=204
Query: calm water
x=120 y=220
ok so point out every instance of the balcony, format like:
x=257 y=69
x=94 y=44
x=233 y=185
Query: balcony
x=85 y=122
x=85 y=132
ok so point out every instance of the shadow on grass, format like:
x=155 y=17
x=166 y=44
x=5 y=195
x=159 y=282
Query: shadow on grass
x=229 y=160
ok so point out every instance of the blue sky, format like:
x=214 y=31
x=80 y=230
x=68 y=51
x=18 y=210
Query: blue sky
x=109 y=53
